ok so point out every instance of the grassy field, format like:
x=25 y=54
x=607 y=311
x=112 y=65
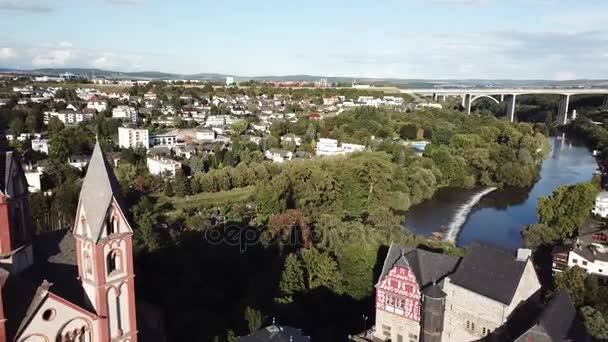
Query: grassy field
x=208 y=200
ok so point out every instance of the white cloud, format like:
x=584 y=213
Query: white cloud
x=7 y=53
x=33 y=6
x=53 y=55
x=110 y=60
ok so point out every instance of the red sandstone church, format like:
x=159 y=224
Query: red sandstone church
x=66 y=286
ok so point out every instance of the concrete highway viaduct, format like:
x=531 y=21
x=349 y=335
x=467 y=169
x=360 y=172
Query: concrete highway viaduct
x=510 y=95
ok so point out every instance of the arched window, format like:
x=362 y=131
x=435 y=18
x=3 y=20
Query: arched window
x=113 y=261
x=88 y=265
x=111 y=225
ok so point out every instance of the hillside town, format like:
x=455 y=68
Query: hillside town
x=303 y=191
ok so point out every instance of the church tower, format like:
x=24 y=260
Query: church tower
x=104 y=251
x=16 y=251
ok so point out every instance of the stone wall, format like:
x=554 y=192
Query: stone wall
x=399 y=326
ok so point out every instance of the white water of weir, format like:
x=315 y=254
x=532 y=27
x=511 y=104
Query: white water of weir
x=462 y=214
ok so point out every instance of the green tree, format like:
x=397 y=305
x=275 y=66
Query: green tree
x=181 y=184
x=536 y=235
x=595 y=322
x=55 y=125
x=320 y=270
x=292 y=279
x=31 y=123
x=357 y=268
x=255 y=319
x=17 y=126
x=573 y=281
x=567 y=208
x=239 y=127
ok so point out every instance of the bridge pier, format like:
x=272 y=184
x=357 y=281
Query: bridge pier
x=467 y=103
x=434 y=97
x=502 y=97
x=510 y=107
x=605 y=105
x=562 y=111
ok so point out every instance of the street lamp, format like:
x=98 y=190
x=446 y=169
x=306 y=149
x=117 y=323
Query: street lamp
x=364 y=317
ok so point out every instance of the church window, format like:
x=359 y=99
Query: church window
x=48 y=314
x=88 y=265
x=113 y=261
x=112 y=225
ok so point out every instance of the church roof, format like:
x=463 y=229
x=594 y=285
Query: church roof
x=558 y=316
x=489 y=271
x=427 y=266
x=99 y=188
x=54 y=270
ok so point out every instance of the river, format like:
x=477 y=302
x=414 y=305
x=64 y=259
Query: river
x=498 y=216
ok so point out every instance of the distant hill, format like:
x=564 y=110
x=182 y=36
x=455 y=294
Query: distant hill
x=402 y=83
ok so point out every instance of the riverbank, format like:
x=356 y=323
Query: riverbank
x=498 y=216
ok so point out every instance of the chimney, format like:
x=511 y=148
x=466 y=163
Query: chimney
x=523 y=254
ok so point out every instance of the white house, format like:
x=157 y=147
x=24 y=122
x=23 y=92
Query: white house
x=292 y=138
x=163 y=166
x=163 y=140
x=79 y=161
x=601 y=204
x=329 y=147
x=350 y=148
x=589 y=251
x=125 y=112
x=98 y=105
x=33 y=180
x=278 y=155
x=205 y=135
x=40 y=145
x=68 y=117
x=133 y=138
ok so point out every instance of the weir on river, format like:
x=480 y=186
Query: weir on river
x=498 y=216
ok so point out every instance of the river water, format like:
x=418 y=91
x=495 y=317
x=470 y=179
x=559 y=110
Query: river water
x=498 y=216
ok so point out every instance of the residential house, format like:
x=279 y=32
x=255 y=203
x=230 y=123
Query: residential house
x=161 y=166
x=68 y=117
x=150 y=96
x=428 y=296
x=79 y=161
x=291 y=139
x=40 y=145
x=133 y=138
x=125 y=112
x=589 y=250
x=601 y=204
x=278 y=155
x=166 y=139
x=97 y=104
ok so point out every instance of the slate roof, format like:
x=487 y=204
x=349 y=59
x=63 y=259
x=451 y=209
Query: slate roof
x=275 y=333
x=558 y=316
x=55 y=269
x=489 y=271
x=99 y=188
x=427 y=266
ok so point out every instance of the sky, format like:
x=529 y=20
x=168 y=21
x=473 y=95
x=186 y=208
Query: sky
x=414 y=39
